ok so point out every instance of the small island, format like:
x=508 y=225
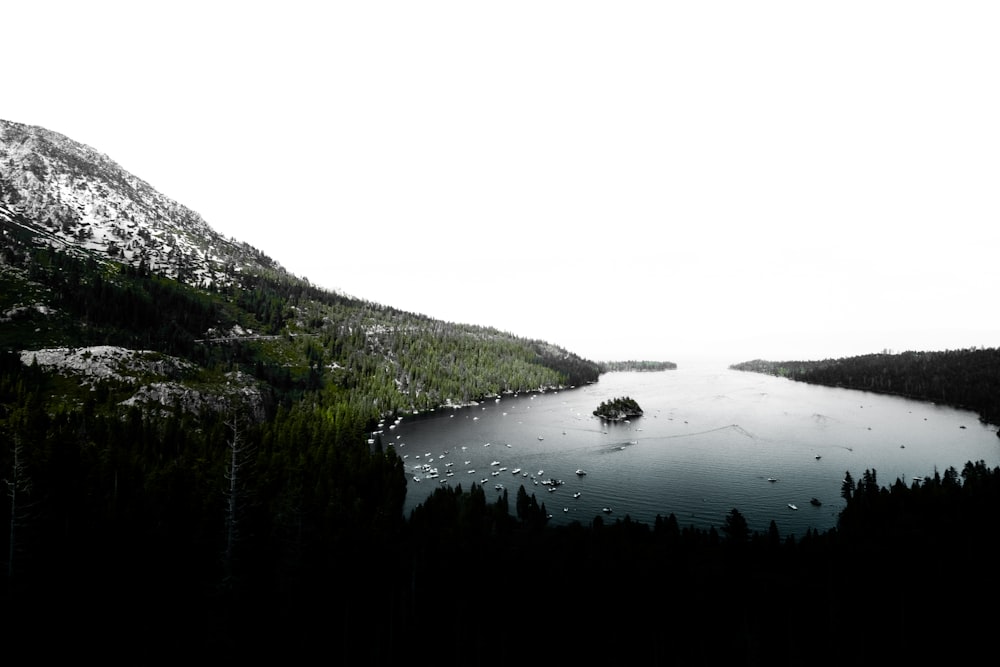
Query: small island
x=618 y=409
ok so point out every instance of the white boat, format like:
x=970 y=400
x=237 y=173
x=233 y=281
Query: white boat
x=515 y=471
x=576 y=495
x=771 y=479
x=606 y=510
x=792 y=507
x=581 y=473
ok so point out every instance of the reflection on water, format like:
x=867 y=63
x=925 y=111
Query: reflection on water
x=709 y=441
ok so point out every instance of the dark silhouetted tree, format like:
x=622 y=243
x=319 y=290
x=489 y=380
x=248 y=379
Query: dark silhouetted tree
x=735 y=527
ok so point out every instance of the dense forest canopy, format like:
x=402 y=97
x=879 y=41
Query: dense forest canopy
x=968 y=378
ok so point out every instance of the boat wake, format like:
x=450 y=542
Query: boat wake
x=617 y=446
x=735 y=427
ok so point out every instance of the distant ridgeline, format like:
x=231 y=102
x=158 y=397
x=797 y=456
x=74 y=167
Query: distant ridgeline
x=610 y=366
x=967 y=379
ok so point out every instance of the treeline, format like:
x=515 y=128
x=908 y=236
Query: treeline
x=729 y=594
x=967 y=378
x=936 y=511
x=400 y=361
x=638 y=366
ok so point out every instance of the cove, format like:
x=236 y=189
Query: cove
x=711 y=439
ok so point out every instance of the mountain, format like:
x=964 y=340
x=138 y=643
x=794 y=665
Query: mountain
x=95 y=258
x=179 y=410
x=73 y=198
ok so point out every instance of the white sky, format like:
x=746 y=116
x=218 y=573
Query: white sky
x=658 y=180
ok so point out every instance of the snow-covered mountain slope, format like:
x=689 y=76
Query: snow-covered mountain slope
x=70 y=196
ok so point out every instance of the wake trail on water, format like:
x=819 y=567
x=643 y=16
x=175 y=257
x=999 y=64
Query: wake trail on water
x=734 y=427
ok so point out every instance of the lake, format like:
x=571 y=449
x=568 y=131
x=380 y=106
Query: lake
x=711 y=439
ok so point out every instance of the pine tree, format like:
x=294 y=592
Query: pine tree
x=18 y=488
x=237 y=472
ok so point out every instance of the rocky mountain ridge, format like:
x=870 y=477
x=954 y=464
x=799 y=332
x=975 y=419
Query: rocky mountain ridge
x=75 y=198
x=97 y=267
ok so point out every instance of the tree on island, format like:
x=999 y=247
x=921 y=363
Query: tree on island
x=617 y=409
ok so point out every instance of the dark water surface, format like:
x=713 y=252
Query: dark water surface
x=710 y=440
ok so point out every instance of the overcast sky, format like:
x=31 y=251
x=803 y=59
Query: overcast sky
x=656 y=180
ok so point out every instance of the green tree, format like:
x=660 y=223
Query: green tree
x=240 y=455
x=522 y=503
x=847 y=487
x=18 y=487
x=735 y=527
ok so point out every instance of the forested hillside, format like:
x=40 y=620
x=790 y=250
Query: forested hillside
x=168 y=444
x=962 y=378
